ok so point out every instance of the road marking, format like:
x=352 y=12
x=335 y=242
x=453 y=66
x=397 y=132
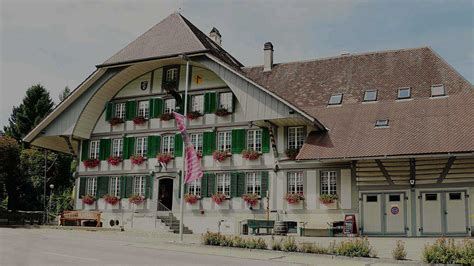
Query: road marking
x=69 y=256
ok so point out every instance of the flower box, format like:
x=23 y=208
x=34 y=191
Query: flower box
x=193 y=115
x=220 y=156
x=328 y=201
x=167 y=116
x=329 y=206
x=222 y=112
x=114 y=160
x=225 y=205
x=88 y=200
x=292 y=153
x=251 y=200
x=115 y=121
x=164 y=158
x=220 y=201
x=137 y=159
x=295 y=206
x=111 y=200
x=139 y=120
x=91 y=163
x=250 y=155
x=136 y=199
x=294 y=198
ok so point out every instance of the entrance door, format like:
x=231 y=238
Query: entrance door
x=456 y=212
x=394 y=213
x=432 y=221
x=372 y=213
x=165 y=194
x=384 y=213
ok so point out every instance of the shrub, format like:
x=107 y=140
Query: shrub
x=217 y=239
x=312 y=248
x=261 y=244
x=359 y=247
x=276 y=244
x=289 y=245
x=212 y=239
x=447 y=251
x=399 y=253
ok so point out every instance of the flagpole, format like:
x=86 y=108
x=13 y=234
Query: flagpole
x=183 y=173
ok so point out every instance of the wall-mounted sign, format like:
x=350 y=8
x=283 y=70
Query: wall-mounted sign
x=144 y=85
x=198 y=79
x=394 y=209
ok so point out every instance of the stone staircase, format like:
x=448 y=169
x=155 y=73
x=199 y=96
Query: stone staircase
x=173 y=224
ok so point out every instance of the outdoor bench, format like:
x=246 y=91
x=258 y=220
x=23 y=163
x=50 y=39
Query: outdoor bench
x=79 y=216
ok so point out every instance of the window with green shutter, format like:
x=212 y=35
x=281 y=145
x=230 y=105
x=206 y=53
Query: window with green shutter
x=104 y=149
x=123 y=187
x=204 y=188
x=157 y=106
x=131 y=110
x=240 y=184
x=149 y=187
x=265 y=140
x=264 y=183
x=238 y=140
x=82 y=186
x=102 y=186
x=128 y=147
x=153 y=146
x=211 y=184
x=85 y=150
x=234 y=177
x=209 y=143
x=178 y=145
x=129 y=186
x=109 y=111
x=210 y=102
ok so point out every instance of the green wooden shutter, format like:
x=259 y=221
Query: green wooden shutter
x=204 y=186
x=178 y=145
x=152 y=143
x=238 y=140
x=264 y=183
x=265 y=140
x=82 y=186
x=109 y=111
x=240 y=184
x=180 y=107
x=209 y=143
x=131 y=146
x=149 y=187
x=210 y=102
x=125 y=154
x=129 y=186
x=233 y=185
x=104 y=149
x=102 y=186
x=211 y=184
x=131 y=110
x=158 y=106
x=123 y=187
x=85 y=150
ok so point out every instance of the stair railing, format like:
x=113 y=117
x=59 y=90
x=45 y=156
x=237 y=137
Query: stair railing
x=162 y=207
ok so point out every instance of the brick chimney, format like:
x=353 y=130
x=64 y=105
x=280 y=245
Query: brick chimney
x=267 y=56
x=215 y=36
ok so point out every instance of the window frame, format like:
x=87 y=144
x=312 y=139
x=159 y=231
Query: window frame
x=330 y=102
x=167 y=144
x=144 y=111
x=195 y=187
x=119 y=146
x=229 y=105
x=295 y=182
x=253 y=183
x=197 y=140
x=223 y=184
x=91 y=186
x=167 y=107
x=197 y=106
x=225 y=141
x=438 y=86
x=371 y=100
x=331 y=187
x=141 y=146
x=171 y=74
x=119 y=110
x=114 y=186
x=404 y=89
x=140 y=189
x=254 y=140
x=94 y=149
x=379 y=124
x=295 y=141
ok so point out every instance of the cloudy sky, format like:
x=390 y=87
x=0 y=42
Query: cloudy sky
x=58 y=43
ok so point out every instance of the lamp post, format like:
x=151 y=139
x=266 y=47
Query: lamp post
x=51 y=187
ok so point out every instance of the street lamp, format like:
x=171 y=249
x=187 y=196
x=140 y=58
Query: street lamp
x=51 y=186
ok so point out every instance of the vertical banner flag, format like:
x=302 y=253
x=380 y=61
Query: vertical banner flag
x=193 y=164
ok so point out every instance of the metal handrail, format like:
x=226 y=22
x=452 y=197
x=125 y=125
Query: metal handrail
x=170 y=213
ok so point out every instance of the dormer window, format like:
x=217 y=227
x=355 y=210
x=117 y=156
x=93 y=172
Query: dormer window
x=335 y=99
x=370 y=95
x=171 y=74
x=404 y=93
x=438 y=90
x=381 y=123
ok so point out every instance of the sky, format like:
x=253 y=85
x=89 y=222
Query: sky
x=58 y=43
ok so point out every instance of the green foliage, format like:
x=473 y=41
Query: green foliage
x=447 y=251
x=289 y=244
x=63 y=95
x=9 y=172
x=312 y=248
x=399 y=253
x=217 y=239
x=359 y=247
x=62 y=201
x=276 y=244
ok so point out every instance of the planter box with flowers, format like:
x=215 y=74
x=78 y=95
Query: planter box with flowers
x=221 y=156
x=295 y=201
x=113 y=202
x=328 y=201
x=167 y=120
x=164 y=158
x=194 y=115
x=114 y=121
x=251 y=201
x=140 y=122
x=292 y=153
x=137 y=202
x=114 y=160
x=192 y=202
x=250 y=155
x=137 y=159
x=223 y=116
x=91 y=163
x=220 y=201
x=89 y=201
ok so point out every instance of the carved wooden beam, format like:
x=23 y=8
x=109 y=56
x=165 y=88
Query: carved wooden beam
x=446 y=169
x=384 y=172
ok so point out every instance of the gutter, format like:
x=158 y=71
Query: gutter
x=427 y=155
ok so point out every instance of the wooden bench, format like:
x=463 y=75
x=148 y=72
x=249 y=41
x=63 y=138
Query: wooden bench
x=255 y=225
x=79 y=216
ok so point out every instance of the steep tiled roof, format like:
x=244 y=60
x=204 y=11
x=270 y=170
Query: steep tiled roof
x=417 y=126
x=172 y=36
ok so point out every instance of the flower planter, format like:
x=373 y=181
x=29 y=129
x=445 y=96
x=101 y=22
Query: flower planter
x=91 y=163
x=222 y=112
x=193 y=115
x=90 y=207
x=295 y=206
x=225 y=205
x=115 y=121
x=139 y=120
x=221 y=156
x=167 y=117
x=114 y=161
x=328 y=206
x=137 y=159
x=250 y=155
x=164 y=158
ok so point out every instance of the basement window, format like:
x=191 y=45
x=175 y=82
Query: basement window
x=404 y=93
x=370 y=96
x=438 y=90
x=381 y=123
x=335 y=99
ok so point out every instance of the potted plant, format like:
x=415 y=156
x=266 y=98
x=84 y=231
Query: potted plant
x=222 y=112
x=114 y=160
x=136 y=199
x=193 y=115
x=218 y=198
x=251 y=199
x=250 y=155
x=110 y=199
x=167 y=116
x=91 y=162
x=191 y=198
x=294 y=198
x=115 y=121
x=292 y=153
x=137 y=159
x=328 y=199
x=139 y=120
x=220 y=156
x=164 y=158
x=88 y=199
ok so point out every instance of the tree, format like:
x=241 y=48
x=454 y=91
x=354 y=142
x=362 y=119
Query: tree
x=9 y=174
x=63 y=95
x=35 y=106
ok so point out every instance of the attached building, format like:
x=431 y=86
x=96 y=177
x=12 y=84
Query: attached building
x=389 y=133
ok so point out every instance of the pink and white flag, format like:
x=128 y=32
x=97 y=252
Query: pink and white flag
x=193 y=164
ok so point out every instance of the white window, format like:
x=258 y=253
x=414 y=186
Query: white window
x=141 y=146
x=143 y=108
x=224 y=141
x=253 y=183
x=117 y=147
x=295 y=183
x=438 y=90
x=195 y=187
x=120 y=110
x=370 y=96
x=226 y=101
x=254 y=140
x=328 y=182
x=168 y=144
x=335 y=99
x=223 y=183
x=197 y=103
x=94 y=149
x=171 y=74
x=196 y=140
x=170 y=105
x=114 y=186
x=404 y=93
x=295 y=137
x=381 y=123
x=139 y=185
x=91 y=186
